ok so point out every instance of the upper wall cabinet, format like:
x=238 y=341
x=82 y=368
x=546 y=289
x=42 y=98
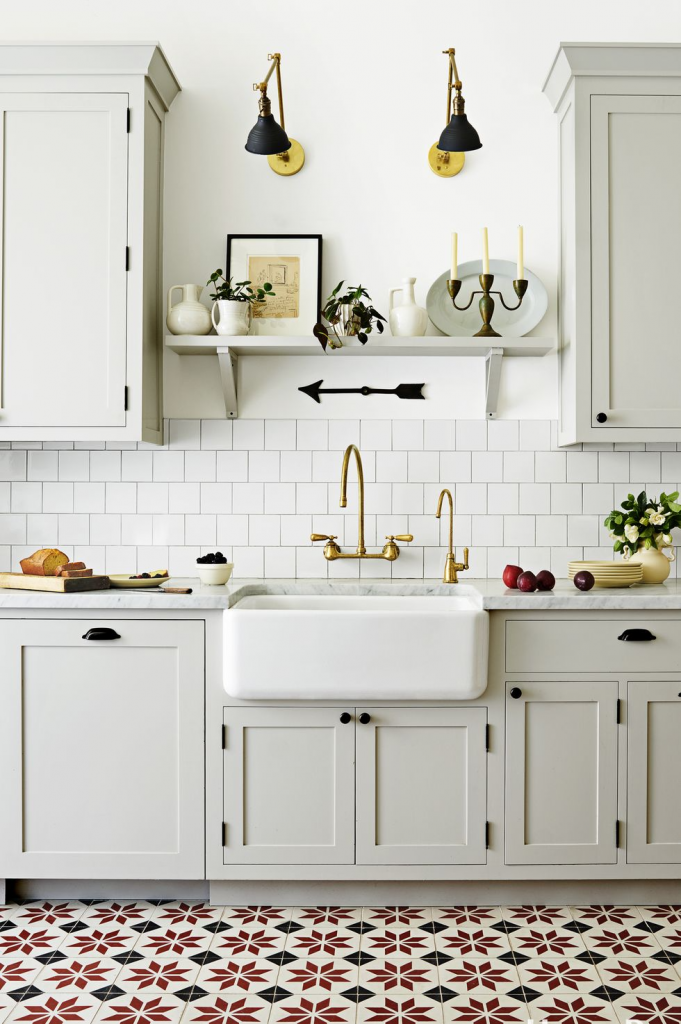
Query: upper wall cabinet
x=81 y=133
x=619 y=114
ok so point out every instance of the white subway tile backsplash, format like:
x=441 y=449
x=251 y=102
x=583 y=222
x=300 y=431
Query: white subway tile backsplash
x=407 y=435
x=43 y=466
x=199 y=467
x=248 y=435
x=439 y=435
x=471 y=435
x=27 y=496
x=187 y=497
x=216 y=435
x=376 y=435
x=503 y=435
x=106 y=465
x=296 y=467
x=423 y=467
x=256 y=489
x=280 y=435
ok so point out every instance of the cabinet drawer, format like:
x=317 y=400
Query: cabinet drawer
x=566 y=645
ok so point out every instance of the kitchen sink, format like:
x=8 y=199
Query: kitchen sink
x=336 y=646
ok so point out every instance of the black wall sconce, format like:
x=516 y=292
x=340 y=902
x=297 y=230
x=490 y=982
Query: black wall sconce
x=446 y=157
x=267 y=137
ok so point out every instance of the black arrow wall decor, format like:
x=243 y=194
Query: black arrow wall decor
x=402 y=391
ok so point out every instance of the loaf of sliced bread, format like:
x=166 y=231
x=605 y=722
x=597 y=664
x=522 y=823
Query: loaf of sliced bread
x=44 y=562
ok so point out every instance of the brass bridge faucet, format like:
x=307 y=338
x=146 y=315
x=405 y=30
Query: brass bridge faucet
x=452 y=567
x=331 y=550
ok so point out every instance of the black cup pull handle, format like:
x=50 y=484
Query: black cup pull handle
x=637 y=634
x=101 y=633
x=516 y=692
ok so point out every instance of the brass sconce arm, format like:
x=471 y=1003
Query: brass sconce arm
x=454 y=82
x=262 y=86
x=452 y=567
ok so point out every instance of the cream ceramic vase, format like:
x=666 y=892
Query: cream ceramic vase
x=655 y=564
x=188 y=316
x=407 y=320
x=235 y=317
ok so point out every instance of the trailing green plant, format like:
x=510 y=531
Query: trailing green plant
x=240 y=291
x=644 y=522
x=348 y=309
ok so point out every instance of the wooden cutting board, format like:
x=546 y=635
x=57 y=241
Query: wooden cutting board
x=53 y=584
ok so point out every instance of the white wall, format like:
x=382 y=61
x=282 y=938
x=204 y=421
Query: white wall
x=364 y=89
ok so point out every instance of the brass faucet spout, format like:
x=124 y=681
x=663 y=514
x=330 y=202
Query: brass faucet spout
x=352 y=448
x=452 y=567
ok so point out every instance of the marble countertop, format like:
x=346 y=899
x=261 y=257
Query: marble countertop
x=492 y=594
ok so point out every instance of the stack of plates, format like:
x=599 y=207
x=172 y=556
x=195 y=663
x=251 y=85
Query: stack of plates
x=609 y=574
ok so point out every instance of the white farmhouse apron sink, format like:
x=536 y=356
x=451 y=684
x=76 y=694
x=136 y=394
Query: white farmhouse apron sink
x=356 y=647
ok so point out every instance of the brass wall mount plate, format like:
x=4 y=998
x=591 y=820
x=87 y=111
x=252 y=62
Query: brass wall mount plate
x=445 y=165
x=290 y=162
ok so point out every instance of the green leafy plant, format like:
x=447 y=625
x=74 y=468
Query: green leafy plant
x=240 y=291
x=347 y=308
x=644 y=522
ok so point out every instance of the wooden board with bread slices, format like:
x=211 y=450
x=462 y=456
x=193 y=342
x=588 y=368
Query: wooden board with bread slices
x=51 y=570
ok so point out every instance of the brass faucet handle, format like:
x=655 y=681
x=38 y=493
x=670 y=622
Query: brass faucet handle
x=406 y=537
x=323 y=536
x=465 y=558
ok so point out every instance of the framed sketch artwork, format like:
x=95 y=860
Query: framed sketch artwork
x=293 y=266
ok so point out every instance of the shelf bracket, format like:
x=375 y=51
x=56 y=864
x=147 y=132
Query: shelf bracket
x=228 y=375
x=492 y=379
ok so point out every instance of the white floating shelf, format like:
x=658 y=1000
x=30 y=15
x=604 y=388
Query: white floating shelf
x=228 y=350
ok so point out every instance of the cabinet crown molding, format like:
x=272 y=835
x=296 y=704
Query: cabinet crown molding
x=575 y=60
x=146 y=59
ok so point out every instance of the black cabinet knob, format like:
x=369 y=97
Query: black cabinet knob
x=365 y=718
x=516 y=692
x=637 y=634
x=601 y=418
x=346 y=717
x=101 y=633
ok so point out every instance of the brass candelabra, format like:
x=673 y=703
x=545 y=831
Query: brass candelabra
x=487 y=302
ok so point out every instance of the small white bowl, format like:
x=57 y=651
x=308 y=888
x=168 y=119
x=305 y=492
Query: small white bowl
x=215 y=575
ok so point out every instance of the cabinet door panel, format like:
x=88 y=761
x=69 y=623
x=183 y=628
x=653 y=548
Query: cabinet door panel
x=421 y=786
x=654 y=770
x=561 y=773
x=288 y=786
x=635 y=225
x=101 y=750
x=64 y=175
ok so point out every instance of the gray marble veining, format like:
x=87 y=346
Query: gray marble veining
x=494 y=596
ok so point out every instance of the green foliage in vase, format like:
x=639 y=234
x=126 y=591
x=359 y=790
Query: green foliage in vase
x=240 y=291
x=360 y=323
x=644 y=522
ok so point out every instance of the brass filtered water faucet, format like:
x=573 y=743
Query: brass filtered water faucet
x=452 y=567
x=331 y=550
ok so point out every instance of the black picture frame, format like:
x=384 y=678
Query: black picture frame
x=263 y=237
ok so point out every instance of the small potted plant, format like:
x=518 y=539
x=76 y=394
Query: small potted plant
x=348 y=315
x=234 y=303
x=641 y=530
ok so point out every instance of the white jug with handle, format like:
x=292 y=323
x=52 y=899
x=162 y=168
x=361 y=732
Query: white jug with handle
x=235 y=317
x=407 y=320
x=188 y=316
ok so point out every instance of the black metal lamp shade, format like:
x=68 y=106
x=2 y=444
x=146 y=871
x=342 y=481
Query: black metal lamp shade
x=459 y=136
x=267 y=137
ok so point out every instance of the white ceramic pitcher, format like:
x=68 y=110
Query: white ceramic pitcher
x=235 y=317
x=188 y=316
x=407 y=320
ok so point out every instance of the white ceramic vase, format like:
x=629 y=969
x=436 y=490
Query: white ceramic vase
x=407 y=320
x=656 y=565
x=235 y=317
x=188 y=316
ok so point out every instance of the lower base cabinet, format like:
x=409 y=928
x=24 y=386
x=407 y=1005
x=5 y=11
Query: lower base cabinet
x=101 y=749
x=301 y=783
x=561 y=772
x=653 y=772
